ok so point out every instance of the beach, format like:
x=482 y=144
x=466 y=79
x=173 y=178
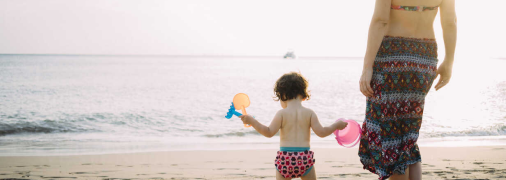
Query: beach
x=114 y=117
x=124 y=90
x=488 y=162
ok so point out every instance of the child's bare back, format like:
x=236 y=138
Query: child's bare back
x=294 y=159
x=295 y=126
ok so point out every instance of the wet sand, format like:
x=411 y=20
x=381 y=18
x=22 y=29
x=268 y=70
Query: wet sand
x=438 y=163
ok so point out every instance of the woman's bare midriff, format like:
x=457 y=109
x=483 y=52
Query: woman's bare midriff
x=412 y=24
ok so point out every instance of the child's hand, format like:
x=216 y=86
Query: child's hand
x=247 y=119
x=341 y=125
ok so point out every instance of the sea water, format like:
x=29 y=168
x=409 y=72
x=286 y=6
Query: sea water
x=62 y=105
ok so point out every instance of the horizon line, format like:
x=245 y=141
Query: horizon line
x=195 y=56
x=179 y=55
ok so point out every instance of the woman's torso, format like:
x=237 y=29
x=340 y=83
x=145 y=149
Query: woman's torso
x=413 y=24
x=295 y=128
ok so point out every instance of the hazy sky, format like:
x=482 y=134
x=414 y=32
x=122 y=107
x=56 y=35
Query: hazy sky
x=222 y=27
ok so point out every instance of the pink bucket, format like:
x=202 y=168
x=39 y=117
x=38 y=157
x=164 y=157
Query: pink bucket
x=349 y=136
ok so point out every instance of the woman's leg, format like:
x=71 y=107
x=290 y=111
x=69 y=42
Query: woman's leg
x=311 y=175
x=415 y=171
x=404 y=176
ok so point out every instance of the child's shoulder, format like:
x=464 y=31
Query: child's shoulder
x=304 y=110
x=309 y=111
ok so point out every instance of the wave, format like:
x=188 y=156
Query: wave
x=46 y=126
x=495 y=130
x=95 y=122
x=32 y=123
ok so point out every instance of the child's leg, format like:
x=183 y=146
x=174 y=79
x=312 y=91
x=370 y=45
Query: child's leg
x=311 y=175
x=279 y=176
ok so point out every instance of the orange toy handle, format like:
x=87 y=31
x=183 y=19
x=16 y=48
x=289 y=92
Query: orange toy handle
x=244 y=113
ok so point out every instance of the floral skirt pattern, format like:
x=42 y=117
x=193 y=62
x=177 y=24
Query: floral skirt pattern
x=403 y=72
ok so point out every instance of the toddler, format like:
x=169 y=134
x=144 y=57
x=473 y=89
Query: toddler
x=294 y=159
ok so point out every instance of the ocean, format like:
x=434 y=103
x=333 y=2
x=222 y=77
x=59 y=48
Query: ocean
x=71 y=104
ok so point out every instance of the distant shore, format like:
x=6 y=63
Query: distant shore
x=191 y=56
x=487 y=162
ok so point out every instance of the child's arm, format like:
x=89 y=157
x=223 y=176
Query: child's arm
x=262 y=129
x=321 y=131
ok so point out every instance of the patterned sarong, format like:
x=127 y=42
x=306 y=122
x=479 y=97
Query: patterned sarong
x=403 y=72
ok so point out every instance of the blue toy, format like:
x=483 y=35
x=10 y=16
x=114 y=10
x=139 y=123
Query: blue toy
x=231 y=112
x=240 y=102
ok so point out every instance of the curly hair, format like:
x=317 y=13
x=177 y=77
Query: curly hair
x=290 y=85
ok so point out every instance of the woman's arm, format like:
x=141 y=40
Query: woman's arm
x=449 y=26
x=377 y=29
x=321 y=131
x=262 y=129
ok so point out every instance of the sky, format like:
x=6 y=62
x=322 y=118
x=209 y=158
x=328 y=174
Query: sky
x=222 y=27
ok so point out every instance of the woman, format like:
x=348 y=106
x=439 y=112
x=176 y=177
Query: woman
x=399 y=68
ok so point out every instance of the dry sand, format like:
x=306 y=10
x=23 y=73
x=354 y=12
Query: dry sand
x=340 y=163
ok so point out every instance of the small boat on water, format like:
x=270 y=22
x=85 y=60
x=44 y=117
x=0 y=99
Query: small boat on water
x=290 y=54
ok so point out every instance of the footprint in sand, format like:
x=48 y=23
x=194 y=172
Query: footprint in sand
x=239 y=174
x=228 y=169
x=58 y=177
x=334 y=161
x=83 y=173
x=429 y=165
x=452 y=168
x=442 y=173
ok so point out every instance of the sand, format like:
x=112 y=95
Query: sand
x=340 y=163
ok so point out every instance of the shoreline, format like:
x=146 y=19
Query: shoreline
x=84 y=148
x=487 y=162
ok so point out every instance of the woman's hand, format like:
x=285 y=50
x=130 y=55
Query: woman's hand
x=445 y=73
x=365 y=82
x=247 y=119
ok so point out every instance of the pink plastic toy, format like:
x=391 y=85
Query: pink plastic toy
x=349 y=136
